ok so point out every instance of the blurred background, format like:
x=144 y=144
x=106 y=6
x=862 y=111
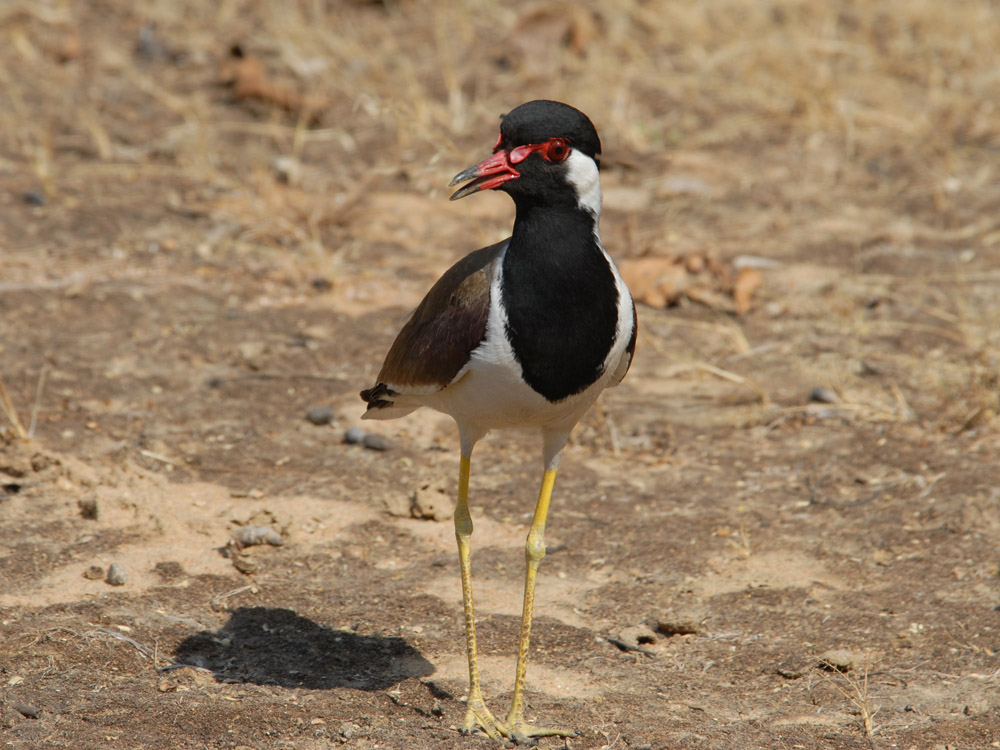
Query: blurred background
x=213 y=219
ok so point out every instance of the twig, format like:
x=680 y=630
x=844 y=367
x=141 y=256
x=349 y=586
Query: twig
x=625 y=646
x=218 y=602
x=38 y=401
x=732 y=377
x=144 y=650
x=157 y=457
x=178 y=665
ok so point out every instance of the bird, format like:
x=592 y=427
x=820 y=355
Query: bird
x=525 y=333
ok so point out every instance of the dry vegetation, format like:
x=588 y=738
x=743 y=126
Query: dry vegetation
x=251 y=194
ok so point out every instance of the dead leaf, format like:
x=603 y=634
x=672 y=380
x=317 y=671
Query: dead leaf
x=748 y=282
x=661 y=282
x=654 y=281
x=249 y=80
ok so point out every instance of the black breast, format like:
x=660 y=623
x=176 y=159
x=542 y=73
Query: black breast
x=561 y=300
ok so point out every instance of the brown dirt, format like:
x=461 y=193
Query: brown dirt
x=209 y=262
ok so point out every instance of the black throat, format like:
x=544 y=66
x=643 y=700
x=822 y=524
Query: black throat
x=561 y=299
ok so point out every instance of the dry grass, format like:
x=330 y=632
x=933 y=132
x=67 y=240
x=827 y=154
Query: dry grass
x=10 y=412
x=855 y=690
x=854 y=143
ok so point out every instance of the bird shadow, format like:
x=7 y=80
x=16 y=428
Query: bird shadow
x=266 y=646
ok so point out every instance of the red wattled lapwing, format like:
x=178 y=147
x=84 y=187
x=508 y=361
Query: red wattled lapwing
x=524 y=333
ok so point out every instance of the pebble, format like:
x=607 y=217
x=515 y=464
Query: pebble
x=790 y=671
x=375 y=442
x=637 y=636
x=249 y=536
x=432 y=501
x=117 y=575
x=839 y=660
x=353 y=435
x=88 y=507
x=94 y=573
x=27 y=710
x=824 y=396
x=678 y=623
x=289 y=169
x=320 y=415
x=245 y=565
x=34 y=198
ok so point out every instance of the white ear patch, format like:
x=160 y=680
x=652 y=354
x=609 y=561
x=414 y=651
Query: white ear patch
x=582 y=174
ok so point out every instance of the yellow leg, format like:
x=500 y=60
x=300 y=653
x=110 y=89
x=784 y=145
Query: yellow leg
x=477 y=715
x=534 y=550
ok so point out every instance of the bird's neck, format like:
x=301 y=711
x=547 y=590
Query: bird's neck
x=560 y=297
x=547 y=234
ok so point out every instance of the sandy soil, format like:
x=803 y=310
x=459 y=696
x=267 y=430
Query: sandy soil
x=781 y=531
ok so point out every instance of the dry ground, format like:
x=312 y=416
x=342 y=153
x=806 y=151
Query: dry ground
x=196 y=248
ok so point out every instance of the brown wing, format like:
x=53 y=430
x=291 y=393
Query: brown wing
x=442 y=332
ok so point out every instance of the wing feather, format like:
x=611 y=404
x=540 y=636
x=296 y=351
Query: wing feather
x=446 y=327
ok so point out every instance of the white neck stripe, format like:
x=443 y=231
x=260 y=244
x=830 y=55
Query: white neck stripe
x=585 y=179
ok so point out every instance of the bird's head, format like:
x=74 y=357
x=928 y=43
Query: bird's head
x=547 y=154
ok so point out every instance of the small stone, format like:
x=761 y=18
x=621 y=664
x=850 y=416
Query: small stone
x=320 y=415
x=350 y=731
x=40 y=462
x=790 y=670
x=249 y=536
x=27 y=710
x=353 y=435
x=677 y=624
x=867 y=367
x=34 y=198
x=374 y=442
x=88 y=507
x=839 y=660
x=398 y=504
x=251 y=352
x=288 y=169
x=824 y=396
x=637 y=636
x=94 y=573
x=245 y=565
x=432 y=501
x=117 y=575
x=15 y=466
x=321 y=284
x=682 y=619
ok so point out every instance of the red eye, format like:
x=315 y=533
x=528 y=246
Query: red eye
x=557 y=149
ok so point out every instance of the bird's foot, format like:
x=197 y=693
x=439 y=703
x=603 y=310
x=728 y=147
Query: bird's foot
x=479 y=718
x=524 y=733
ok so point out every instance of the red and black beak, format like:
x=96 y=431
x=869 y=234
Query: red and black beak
x=489 y=174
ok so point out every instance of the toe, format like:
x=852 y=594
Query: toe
x=479 y=719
